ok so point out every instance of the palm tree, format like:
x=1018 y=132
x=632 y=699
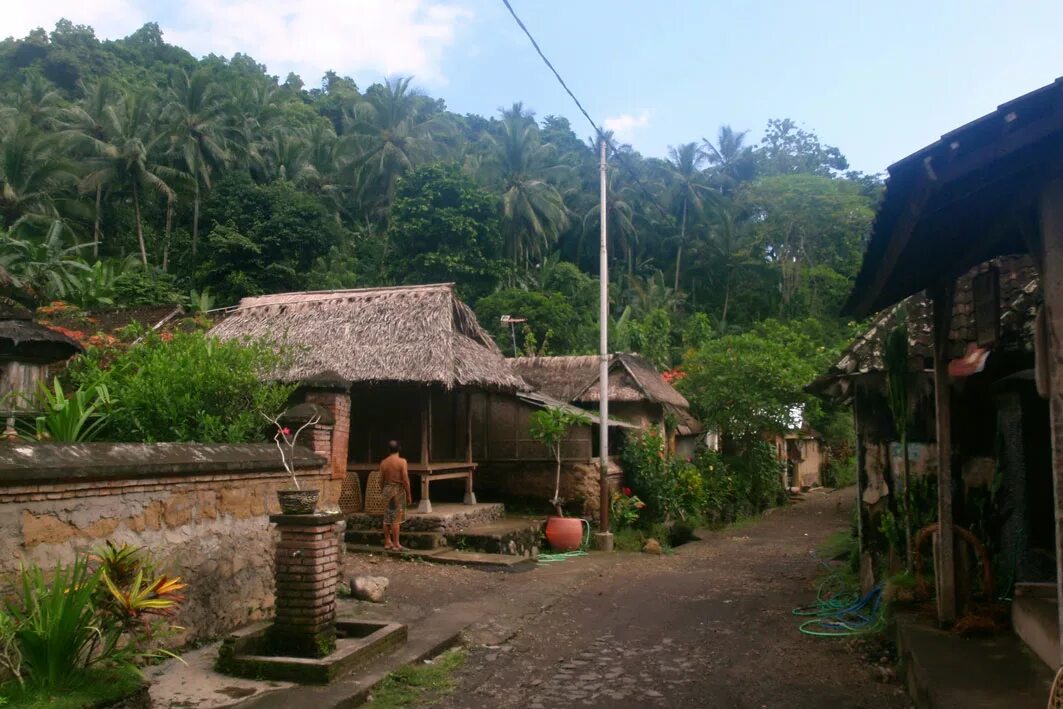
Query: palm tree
x=196 y=113
x=83 y=123
x=729 y=250
x=391 y=131
x=686 y=162
x=533 y=210
x=33 y=175
x=125 y=157
x=620 y=218
x=731 y=157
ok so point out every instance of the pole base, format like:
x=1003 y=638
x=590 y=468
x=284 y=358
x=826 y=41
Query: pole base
x=603 y=541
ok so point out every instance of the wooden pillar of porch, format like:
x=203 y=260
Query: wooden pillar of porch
x=1049 y=257
x=425 y=504
x=945 y=573
x=470 y=495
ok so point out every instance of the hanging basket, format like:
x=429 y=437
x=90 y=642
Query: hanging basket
x=297 y=502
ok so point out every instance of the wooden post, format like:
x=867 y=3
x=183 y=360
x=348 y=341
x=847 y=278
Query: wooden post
x=945 y=575
x=1050 y=260
x=468 y=427
x=426 y=423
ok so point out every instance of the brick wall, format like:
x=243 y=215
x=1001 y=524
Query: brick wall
x=337 y=403
x=202 y=510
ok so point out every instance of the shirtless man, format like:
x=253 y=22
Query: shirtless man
x=395 y=485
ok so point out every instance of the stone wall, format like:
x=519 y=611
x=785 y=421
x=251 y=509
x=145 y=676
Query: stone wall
x=535 y=479
x=201 y=509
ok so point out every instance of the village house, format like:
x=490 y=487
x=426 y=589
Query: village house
x=991 y=188
x=412 y=364
x=999 y=393
x=638 y=393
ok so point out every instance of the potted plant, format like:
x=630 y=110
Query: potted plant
x=294 y=500
x=550 y=427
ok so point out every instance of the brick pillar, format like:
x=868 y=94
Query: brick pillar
x=338 y=403
x=306 y=573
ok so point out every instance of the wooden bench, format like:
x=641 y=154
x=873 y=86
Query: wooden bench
x=427 y=472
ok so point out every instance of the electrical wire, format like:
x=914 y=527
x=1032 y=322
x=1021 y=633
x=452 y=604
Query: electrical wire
x=601 y=134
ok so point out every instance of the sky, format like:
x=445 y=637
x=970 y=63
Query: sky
x=878 y=80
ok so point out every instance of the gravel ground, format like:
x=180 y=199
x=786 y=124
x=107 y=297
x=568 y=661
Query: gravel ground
x=709 y=626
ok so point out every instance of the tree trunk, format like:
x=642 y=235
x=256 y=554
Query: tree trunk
x=166 y=240
x=140 y=226
x=726 y=302
x=679 y=251
x=96 y=226
x=195 y=220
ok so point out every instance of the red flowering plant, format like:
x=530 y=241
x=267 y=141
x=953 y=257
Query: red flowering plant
x=624 y=508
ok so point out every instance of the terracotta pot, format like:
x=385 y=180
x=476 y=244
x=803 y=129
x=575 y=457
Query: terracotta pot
x=564 y=533
x=297 y=502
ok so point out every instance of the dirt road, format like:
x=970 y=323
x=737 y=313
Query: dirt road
x=709 y=626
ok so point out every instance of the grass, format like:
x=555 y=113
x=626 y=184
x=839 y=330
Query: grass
x=419 y=685
x=94 y=687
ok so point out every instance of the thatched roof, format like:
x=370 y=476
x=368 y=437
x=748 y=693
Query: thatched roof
x=410 y=334
x=1020 y=294
x=631 y=379
x=26 y=341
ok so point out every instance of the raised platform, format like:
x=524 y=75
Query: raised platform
x=445 y=517
x=943 y=670
x=1035 y=617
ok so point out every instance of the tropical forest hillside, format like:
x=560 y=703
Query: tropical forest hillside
x=133 y=173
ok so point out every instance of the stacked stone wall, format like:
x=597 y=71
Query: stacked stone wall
x=202 y=510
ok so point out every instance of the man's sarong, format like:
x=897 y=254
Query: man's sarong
x=394 y=503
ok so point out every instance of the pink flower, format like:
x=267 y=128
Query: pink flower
x=286 y=431
x=627 y=492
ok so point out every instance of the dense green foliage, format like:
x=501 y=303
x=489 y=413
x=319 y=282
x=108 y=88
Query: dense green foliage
x=98 y=618
x=214 y=176
x=188 y=388
x=709 y=488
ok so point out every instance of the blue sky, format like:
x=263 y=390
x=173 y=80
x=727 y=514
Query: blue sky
x=879 y=80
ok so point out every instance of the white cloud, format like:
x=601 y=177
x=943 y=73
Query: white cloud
x=625 y=125
x=368 y=38
x=110 y=18
x=309 y=37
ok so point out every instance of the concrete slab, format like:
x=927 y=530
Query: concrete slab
x=943 y=670
x=483 y=560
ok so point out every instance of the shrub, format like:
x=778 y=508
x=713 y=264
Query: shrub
x=670 y=487
x=72 y=418
x=140 y=286
x=190 y=387
x=104 y=611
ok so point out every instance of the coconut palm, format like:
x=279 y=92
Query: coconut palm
x=731 y=158
x=82 y=125
x=195 y=113
x=533 y=210
x=620 y=218
x=686 y=162
x=390 y=131
x=125 y=157
x=33 y=176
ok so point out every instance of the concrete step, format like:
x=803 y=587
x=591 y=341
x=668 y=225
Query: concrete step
x=1035 y=618
x=510 y=536
x=487 y=562
x=413 y=540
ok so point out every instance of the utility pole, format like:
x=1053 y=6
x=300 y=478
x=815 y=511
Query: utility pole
x=604 y=538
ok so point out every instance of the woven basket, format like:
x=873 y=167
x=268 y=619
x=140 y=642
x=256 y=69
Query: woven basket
x=297 y=502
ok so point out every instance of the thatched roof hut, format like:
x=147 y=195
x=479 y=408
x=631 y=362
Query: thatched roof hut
x=402 y=335
x=632 y=380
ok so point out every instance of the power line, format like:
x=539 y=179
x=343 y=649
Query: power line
x=601 y=134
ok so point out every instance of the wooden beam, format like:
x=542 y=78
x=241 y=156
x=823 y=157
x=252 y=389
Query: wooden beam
x=945 y=575
x=1050 y=261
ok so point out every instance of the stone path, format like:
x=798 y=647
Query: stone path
x=707 y=627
